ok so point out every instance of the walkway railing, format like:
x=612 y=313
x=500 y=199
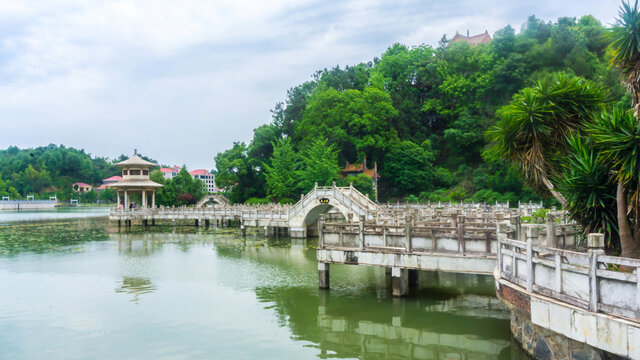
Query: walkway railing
x=460 y=237
x=588 y=280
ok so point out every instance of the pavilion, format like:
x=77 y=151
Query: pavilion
x=135 y=179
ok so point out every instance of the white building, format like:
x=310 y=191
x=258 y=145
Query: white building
x=170 y=173
x=208 y=178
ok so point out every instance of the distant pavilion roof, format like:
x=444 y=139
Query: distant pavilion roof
x=135 y=160
x=142 y=183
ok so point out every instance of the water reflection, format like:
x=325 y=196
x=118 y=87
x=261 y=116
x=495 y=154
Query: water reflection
x=247 y=297
x=136 y=287
x=346 y=327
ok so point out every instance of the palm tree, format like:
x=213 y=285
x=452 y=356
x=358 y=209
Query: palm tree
x=617 y=137
x=624 y=39
x=532 y=131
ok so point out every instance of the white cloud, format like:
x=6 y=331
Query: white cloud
x=182 y=80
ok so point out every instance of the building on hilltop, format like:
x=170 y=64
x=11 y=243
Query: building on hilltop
x=108 y=182
x=474 y=40
x=357 y=169
x=81 y=187
x=208 y=178
x=170 y=173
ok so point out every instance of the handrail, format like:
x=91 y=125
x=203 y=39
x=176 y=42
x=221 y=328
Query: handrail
x=571 y=270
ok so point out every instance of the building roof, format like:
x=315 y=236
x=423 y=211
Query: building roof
x=361 y=169
x=474 y=40
x=168 y=170
x=136 y=183
x=103 y=186
x=81 y=184
x=135 y=160
x=353 y=167
x=200 y=172
x=113 y=178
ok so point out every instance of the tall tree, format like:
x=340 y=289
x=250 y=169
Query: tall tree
x=319 y=165
x=531 y=132
x=624 y=38
x=281 y=175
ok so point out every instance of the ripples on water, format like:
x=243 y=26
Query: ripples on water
x=79 y=289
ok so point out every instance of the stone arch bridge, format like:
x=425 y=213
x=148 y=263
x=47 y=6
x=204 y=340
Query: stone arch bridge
x=300 y=219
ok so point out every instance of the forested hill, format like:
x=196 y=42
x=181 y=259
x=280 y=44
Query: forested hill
x=419 y=112
x=49 y=170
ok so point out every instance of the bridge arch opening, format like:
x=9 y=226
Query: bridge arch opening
x=331 y=212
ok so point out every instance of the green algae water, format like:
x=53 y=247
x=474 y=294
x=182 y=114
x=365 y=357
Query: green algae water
x=76 y=288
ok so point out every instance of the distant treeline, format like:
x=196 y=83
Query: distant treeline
x=419 y=112
x=50 y=170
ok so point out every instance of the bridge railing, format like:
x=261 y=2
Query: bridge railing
x=241 y=212
x=588 y=280
x=464 y=238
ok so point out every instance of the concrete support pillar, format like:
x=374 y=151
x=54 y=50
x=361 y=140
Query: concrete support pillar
x=118 y=203
x=323 y=275
x=197 y=222
x=206 y=223
x=387 y=271
x=153 y=222
x=153 y=199
x=398 y=282
x=413 y=278
x=126 y=199
x=119 y=224
x=144 y=199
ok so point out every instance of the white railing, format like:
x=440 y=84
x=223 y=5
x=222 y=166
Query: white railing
x=590 y=280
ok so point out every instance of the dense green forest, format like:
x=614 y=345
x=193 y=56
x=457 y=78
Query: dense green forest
x=421 y=113
x=50 y=170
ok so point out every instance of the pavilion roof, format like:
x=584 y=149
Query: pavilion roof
x=135 y=160
x=136 y=183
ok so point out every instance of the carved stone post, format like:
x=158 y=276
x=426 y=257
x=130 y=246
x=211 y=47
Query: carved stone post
x=595 y=244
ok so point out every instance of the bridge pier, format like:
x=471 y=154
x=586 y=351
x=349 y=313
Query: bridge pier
x=398 y=282
x=323 y=275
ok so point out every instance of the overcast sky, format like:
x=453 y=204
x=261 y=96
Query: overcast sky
x=182 y=80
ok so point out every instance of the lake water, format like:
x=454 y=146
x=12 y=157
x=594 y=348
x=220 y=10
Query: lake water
x=76 y=288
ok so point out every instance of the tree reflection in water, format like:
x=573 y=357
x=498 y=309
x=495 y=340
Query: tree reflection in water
x=136 y=287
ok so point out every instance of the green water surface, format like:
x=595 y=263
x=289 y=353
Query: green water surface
x=78 y=289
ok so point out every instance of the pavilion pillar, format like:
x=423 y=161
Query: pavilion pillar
x=118 y=198
x=126 y=199
x=153 y=199
x=144 y=199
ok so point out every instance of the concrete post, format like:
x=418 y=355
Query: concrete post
x=461 y=245
x=532 y=233
x=398 y=282
x=516 y=221
x=144 y=199
x=551 y=230
x=595 y=244
x=361 y=232
x=153 y=199
x=407 y=233
x=321 y=232
x=323 y=275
